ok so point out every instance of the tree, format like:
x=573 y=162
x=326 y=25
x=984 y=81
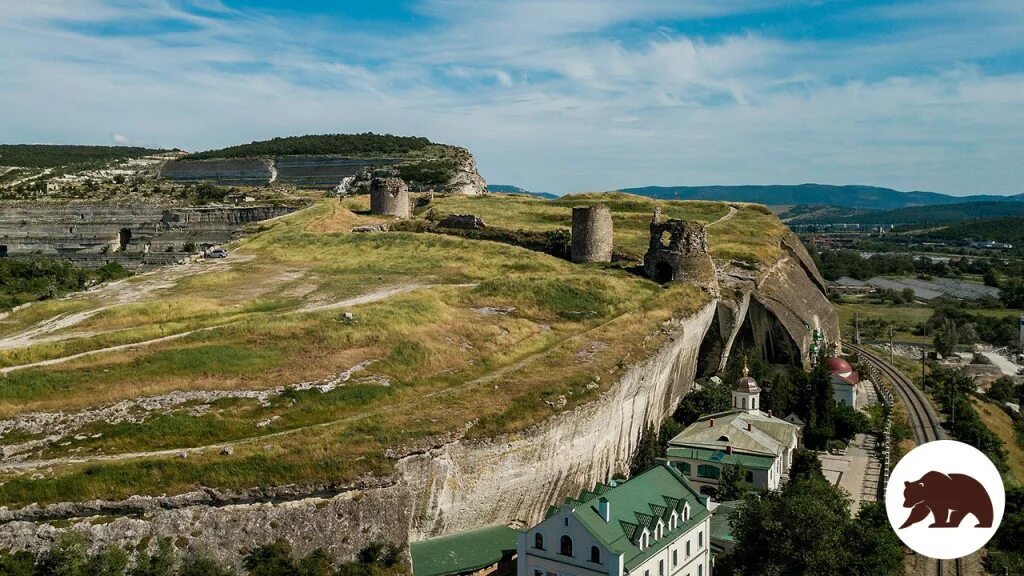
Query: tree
x=732 y=485
x=947 y=337
x=646 y=452
x=806 y=529
x=274 y=559
x=669 y=430
x=709 y=399
x=805 y=465
x=160 y=563
x=111 y=561
x=66 y=558
x=1003 y=390
x=876 y=548
x=991 y=278
x=849 y=422
x=201 y=566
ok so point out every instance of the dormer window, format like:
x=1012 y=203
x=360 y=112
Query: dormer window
x=686 y=512
x=723 y=438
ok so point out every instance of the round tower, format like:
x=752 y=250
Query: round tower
x=746 y=394
x=389 y=195
x=592 y=234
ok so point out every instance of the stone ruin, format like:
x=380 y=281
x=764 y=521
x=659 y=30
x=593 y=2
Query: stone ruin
x=678 y=251
x=463 y=222
x=591 y=234
x=389 y=195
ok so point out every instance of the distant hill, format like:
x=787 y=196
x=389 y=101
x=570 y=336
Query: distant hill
x=859 y=197
x=359 y=145
x=53 y=155
x=509 y=189
x=1009 y=229
x=915 y=216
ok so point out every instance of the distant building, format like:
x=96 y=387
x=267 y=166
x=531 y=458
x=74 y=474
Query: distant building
x=759 y=442
x=847 y=285
x=991 y=245
x=654 y=524
x=844 y=381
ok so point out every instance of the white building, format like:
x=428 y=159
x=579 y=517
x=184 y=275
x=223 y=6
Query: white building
x=654 y=524
x=759 y=442
x=844 y=382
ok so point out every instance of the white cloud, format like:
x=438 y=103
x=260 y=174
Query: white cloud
x=545 y=94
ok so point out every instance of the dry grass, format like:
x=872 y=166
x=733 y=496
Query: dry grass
x=1000 y=423
x=449 y=366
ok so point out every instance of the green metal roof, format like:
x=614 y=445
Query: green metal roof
x=635 y=504
x=463 y=552
x=721 y=527
x=748 y=461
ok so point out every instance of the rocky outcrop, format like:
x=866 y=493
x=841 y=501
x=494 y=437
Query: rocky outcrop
x=134 y=235
x=225 y=172
x=467 y=179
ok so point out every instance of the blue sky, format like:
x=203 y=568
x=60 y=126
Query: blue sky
x=559 y=96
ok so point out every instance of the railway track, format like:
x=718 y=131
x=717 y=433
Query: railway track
x=923 y=420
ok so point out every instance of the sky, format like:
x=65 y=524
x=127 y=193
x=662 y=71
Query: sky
x=549 y=95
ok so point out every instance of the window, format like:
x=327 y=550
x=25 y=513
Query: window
x=708 y=471
x=566 y=520
x=661 y=568
x=687 y=548
x=750 y=476
x=565 y=549
x=595 y=555
x=675 y=558
x=753 y=402
x=686 y=512
x=700 y=539
x=538 y=541
x=700 y=570
x=686 y=468
x=723 y=438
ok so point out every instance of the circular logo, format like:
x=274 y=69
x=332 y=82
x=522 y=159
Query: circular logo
x=945 y=499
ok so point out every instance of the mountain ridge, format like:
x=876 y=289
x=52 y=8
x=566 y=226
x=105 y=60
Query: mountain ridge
x=846 y=196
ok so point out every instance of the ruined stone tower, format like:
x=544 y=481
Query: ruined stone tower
x=591 y=234
x=389 y=195
x=679 y=251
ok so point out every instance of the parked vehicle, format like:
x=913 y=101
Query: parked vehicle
x=217 y=253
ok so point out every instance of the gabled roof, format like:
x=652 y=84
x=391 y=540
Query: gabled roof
x=721 y=525
x=765 y=435
x=639 y=503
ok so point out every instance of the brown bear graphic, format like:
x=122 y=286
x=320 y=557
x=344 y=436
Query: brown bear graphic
x=949 y=497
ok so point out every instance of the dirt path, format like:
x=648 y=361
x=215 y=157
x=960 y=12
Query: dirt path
x=727 y=217
x=368 y=298
x=374 y=411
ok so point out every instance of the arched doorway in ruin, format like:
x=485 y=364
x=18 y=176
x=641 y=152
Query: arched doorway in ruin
x=663 y=273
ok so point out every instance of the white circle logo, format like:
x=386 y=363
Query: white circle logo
x=945 y=499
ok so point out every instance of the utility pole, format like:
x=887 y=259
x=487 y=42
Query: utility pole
x=892 y=351
x=924 y=354
x=856 y=327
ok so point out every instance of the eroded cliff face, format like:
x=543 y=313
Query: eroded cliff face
x=461 y=483
x=134 y=235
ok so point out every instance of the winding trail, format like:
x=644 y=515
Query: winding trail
x=726 y=218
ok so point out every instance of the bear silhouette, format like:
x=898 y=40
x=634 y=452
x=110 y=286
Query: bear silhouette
x=947 y=497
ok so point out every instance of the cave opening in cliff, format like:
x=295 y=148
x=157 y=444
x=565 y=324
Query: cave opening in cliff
x=3 y=250
x=761 y=330
x=124 y=238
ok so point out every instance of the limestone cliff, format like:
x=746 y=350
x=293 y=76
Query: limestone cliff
x=455 y=483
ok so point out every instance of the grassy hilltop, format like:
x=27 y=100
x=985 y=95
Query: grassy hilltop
x=447 y=335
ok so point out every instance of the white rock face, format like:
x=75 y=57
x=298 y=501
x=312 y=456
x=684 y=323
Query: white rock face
x=513 y=479
x=467 y=179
